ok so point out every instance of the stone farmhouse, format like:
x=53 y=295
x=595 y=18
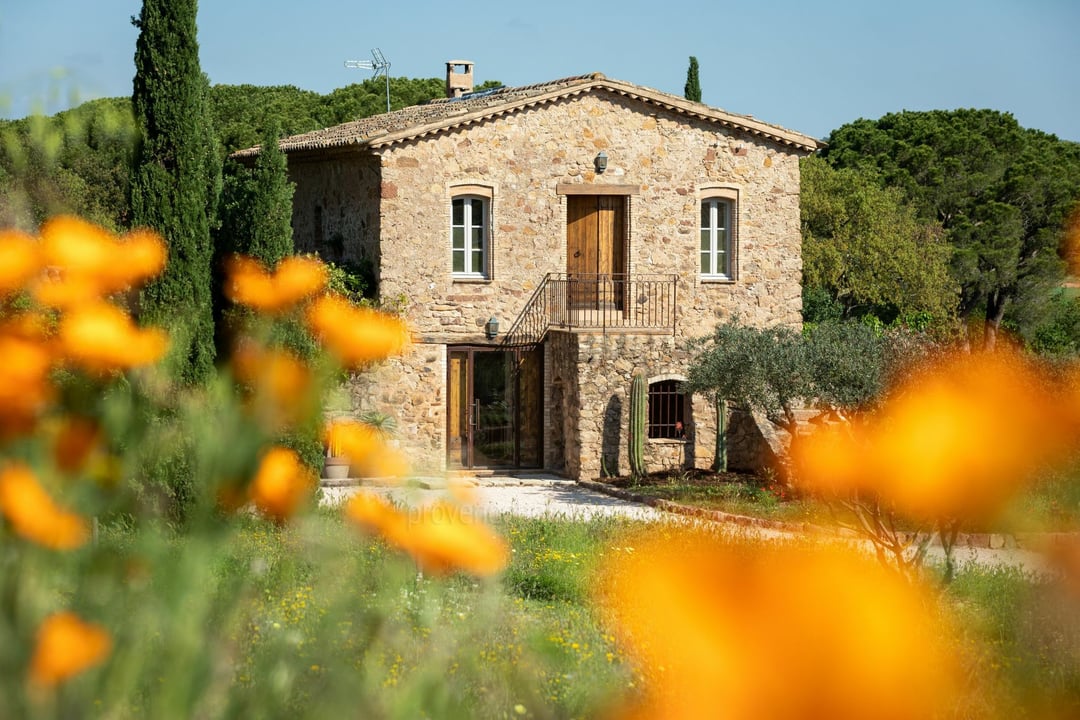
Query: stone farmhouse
x=550 y=241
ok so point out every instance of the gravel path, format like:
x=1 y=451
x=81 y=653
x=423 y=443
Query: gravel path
x=537 y=495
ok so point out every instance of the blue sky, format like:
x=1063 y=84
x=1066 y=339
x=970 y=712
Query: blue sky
x=808 y=66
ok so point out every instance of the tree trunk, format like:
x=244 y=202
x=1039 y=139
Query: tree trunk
x=995 y=311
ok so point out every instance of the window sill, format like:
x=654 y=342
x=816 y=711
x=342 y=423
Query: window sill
x=473 y=279
x=716 y=280
x=667 y=441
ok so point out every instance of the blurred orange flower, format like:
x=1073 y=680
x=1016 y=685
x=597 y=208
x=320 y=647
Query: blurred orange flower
x=365 y=448
x=20 y=260
x=749 y=632
x=956 y=441
x=101 y=337
x=375 y=515
x=443 y=539
x=34 y=515
x=75 y=441
x=25 y=387
x=87 y=262
x=281 y=386
x=356 y=335
x=282 y=484
x=66 y=646
x=295 y=279
x=440 y=537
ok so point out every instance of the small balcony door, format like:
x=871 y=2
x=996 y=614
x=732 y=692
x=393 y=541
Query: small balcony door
x=494 y=407
x=595 y=250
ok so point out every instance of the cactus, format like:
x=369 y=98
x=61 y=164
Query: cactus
x=639 y=397
x=720 y=458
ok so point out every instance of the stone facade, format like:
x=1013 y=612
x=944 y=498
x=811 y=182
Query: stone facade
x=390 y=205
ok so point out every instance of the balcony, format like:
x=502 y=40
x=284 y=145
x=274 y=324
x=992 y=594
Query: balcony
x=606 y=302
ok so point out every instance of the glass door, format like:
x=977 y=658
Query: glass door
x=494 y=416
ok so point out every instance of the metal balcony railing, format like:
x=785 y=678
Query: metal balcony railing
x=597 y=302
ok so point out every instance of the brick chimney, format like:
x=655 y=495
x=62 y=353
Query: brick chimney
x=458 y=78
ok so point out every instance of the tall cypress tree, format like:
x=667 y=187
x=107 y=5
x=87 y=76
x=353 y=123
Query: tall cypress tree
x=692 y=90
x=271 y=203
x=176 y=178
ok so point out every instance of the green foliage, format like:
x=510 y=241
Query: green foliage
x=759 y=368
x=1000 y=192
x=76 y=162
x=692 y=89
x=639 y=398
x=837 y=366
x=177 y=177
x=866 y=253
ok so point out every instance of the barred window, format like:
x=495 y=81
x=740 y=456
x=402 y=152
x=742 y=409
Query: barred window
x=667 y=410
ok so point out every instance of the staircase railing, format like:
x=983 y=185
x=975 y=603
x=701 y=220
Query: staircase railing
x=597 y=302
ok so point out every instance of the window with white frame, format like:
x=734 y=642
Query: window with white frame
x=469 y=236
x=718 y=215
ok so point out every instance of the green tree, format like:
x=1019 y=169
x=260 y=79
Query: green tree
x=257 y=205
x=1000 y=192
x=177 y=178
x=865 y=252
x=692 y=89
x=763 y=369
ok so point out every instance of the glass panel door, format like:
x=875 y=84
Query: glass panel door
x=494 y=408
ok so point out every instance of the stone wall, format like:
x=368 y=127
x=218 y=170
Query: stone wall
x=605 y=365
x=412 y=390
x=521 y=158
x=336 y=208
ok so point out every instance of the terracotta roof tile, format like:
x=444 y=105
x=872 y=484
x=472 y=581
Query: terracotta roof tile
x=446 y=113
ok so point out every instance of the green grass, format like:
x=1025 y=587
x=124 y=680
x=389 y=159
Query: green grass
x=249 y=619
x=736 y=493
x=1050 y=503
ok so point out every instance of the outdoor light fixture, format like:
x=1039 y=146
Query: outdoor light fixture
x=601 y=161
x=491 y=327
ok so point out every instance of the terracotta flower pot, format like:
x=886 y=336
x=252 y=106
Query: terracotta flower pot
x=336 y=467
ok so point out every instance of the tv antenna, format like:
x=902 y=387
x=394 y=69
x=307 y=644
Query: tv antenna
x=380 y=65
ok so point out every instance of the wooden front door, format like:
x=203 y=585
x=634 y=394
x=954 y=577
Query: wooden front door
x=595 y=249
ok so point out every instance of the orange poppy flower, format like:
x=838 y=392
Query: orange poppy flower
x=282 y=389
x=66 y=646
x=282 y=483
x=774 y=632
x=25 y=387
x=101 y=338
x=20 y=260
x=76 y=440
x=296 y=279
x=940 y=446
x=375 y=515
x=443 y=539
x=356 y=335
x=89 y=259
x=440 y=537
x=365 y=449
x=34 y=515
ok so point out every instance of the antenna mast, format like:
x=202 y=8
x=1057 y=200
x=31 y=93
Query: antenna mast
x=380 y=65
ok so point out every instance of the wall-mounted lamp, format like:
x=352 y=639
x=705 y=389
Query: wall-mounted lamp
x=600 y=162
x=491 y=327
